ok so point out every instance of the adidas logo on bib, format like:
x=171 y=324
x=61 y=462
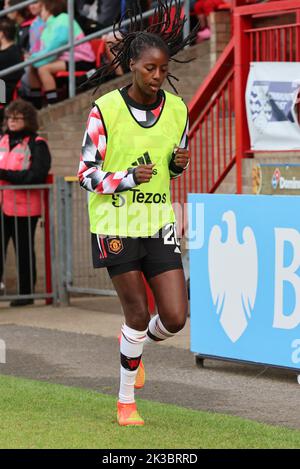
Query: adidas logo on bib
x=145 y=159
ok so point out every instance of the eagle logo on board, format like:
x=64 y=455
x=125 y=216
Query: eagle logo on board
x=233 y=275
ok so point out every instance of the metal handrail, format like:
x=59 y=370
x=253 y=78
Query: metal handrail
x=25 y=186
x=19 y=6
x=72 y=43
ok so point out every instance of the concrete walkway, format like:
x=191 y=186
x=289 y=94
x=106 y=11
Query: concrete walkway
x=77 y=346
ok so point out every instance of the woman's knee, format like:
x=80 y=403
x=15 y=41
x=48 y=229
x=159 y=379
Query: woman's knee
x=136 y=314
x=44 y=70
x=175 y=322
x=138 y=321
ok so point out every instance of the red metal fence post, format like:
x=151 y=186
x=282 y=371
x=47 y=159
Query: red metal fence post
x=298 y=36
x=241 y=70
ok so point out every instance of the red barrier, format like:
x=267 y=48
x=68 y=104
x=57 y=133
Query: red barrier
x=50 y=180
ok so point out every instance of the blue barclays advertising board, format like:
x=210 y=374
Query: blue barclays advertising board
x=245 y=277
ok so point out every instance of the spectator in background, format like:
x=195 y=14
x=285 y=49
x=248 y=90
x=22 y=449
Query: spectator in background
x=36 y=28
x=203 y=8
x=24 y=159
x=9 y=55
x=23 y=20
x=86 y=15
x=35 y=31
x=56 y=34
x=106 y=13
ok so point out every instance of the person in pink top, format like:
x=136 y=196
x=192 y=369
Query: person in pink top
x=55 y=35
x=24 y=160
x=36 y=28
x=35 y=31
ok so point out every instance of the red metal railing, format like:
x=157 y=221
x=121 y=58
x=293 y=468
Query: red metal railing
x=274 y=43
x=211 y=137
x=253 y=42
x=219 y=136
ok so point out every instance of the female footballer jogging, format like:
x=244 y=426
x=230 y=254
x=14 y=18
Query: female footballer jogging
x=134 y=144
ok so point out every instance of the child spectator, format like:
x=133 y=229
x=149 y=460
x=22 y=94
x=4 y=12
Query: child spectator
x=56 y=34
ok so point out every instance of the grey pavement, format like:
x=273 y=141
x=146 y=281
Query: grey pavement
x=77 y=346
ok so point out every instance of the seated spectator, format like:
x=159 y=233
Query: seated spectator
x=86 y=15
x=9 y=55
x=97 y=14
x=35 y=31
x=203 y=8
x=24 y=159
x=56 y=34
x=108 y=11
x=107 y=16
x=23 y=20
x=94 y=15
x=36 y=27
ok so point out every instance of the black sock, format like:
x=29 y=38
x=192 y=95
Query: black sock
x=51 y=96
x=36 y=97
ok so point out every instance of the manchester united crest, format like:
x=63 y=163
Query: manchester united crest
x=115 y=245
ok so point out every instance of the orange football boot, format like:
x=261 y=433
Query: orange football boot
x=128 y=415
x=140 y=377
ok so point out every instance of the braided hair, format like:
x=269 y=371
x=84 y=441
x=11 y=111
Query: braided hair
x=165 y=34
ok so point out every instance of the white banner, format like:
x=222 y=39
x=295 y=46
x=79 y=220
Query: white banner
x=271 y=96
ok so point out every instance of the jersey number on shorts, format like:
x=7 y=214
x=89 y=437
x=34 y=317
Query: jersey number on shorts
x=171 y=236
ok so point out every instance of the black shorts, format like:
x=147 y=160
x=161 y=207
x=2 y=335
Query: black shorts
x=152 y=255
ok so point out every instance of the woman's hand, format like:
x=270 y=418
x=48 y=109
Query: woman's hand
x=143 y=173
x=181 y=158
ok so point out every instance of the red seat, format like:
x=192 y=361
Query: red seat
x=98 y=46
x=65 y=74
